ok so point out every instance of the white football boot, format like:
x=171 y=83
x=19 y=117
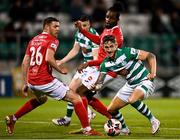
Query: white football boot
x=155 y=125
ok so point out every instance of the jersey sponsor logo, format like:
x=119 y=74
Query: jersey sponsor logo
x=36 y=43
x=109 y=64
x=121 y=59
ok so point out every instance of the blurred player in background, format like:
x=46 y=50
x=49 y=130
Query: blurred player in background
x=112 y=28
x=37 y=74
x=139 y=83
x=89 y=51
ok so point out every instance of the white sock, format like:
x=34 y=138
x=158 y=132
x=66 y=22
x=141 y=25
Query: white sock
x=89 y=111
x=14 y=118
x=67 y=118
x=87 y=128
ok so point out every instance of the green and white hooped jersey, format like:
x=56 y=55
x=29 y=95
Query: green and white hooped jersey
x=83 y=41
x=126 y=58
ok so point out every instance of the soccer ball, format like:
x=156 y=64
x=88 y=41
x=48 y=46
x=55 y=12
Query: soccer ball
x=112 y=127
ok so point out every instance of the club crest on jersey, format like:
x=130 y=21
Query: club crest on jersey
x=133 y=51
x=90 y=78
x=53 y=46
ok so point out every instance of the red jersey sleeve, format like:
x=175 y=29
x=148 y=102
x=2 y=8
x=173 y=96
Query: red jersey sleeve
x=53 y=45
x=94 y=38
x=119 y=36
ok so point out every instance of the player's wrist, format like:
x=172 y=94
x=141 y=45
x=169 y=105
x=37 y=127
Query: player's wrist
x=153 y=74
x=63 y=61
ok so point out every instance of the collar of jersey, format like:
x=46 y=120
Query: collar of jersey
x=44 y=32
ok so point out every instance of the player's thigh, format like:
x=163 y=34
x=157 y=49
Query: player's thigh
x=75 y=83
x=72 y=96
x=147 y=87
x=83 y=90
x=40 y=96
x=116 y=104
x=136 y=95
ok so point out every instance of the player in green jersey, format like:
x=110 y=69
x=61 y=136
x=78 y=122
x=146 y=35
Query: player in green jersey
x=139 y=83
x=89 y=51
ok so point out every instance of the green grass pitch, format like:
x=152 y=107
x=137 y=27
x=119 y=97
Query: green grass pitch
x=37 y=124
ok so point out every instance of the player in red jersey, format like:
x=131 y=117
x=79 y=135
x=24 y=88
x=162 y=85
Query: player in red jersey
x=112 y=28
x=37 y=74
x=111 y=24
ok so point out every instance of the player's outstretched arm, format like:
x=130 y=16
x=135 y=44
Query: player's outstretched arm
x=94 y=38
x=72 y=53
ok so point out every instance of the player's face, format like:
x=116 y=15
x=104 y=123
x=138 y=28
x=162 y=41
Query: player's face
x=85 y=25
x=54 y=28
x=110 y=48
x=110 y=19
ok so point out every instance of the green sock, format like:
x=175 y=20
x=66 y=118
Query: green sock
x=120 y=117
x=70 y=109
x=143 y=109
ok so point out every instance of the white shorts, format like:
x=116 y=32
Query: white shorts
x=85 y=72
x=55 y=89
x=146 y=86
x=90 y=77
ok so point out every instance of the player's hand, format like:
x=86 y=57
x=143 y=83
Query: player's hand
x=96 y=87
x=25 y=90
x=77 y=24
x=81 y=67
x=64 y=69
x=151 y=76
x=59 y=62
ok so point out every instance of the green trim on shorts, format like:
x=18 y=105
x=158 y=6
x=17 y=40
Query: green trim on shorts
x=145 y=88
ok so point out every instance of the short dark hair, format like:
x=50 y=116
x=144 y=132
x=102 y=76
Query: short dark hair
x=84 y=18
x=48 y=20
x=109 y=38
x=117 y=8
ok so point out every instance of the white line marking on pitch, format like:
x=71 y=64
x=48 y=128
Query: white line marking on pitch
x=43 y=122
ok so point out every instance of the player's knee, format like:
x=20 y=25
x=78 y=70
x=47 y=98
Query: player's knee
x=42 y=99
x=75 y=97
x=111 y=111
x=75 y=100
x=131 y=101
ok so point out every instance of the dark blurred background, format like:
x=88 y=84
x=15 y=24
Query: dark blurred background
x=151 y=25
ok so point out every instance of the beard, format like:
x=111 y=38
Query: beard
x=110 y=25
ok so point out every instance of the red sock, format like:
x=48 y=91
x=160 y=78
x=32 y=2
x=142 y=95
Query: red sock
x=85 y=101
x=27 y=107
x=82 y=114
x=99 y=107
